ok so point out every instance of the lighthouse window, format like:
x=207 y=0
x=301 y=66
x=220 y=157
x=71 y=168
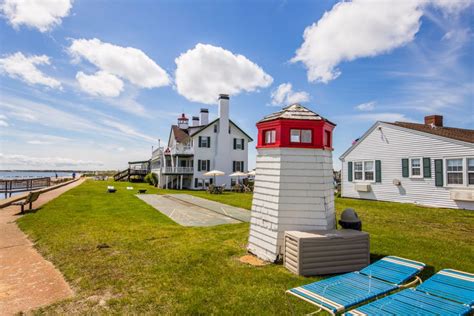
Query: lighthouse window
x=270 y=136
x=301 y=136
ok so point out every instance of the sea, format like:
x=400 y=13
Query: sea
x=9 y=175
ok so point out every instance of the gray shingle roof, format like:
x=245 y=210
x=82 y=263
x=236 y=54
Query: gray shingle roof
x=295 y=112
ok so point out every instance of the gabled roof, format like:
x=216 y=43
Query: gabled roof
x=462 y=134
x=180 y=135
x=203 y=127
x=295 y=112
x=458 y=134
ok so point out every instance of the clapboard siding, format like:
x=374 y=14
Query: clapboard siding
x=390 y=144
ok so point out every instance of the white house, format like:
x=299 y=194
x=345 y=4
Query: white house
x=426 y=164
x=194 y=150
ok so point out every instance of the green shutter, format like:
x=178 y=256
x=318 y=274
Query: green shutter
x=378 y=171
x=426 y=167
x=349 y=171
x=235 y=143
x=199 y=161
x=243 y=142
x=233 y=166
x=208 y=141
x=438 y=172
x=200 y=141
x=208 y=165
x=405 y=172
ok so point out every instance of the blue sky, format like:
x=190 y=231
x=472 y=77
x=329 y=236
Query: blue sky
x=94 y=84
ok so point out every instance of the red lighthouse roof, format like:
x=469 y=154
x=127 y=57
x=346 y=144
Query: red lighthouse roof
x=295 y=127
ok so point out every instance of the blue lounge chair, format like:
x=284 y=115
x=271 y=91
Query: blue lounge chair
x=339 y=293
x=448 y=292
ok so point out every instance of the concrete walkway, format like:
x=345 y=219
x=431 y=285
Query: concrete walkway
x=188 y=210
x=27 y=280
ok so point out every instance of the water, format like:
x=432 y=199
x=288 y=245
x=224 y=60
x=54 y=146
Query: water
x=10 y=175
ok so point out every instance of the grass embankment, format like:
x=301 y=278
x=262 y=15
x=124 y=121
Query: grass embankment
x=155 y=266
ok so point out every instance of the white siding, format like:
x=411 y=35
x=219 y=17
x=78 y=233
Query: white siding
x=219 y=162
x=294 y=190
x=390 y=144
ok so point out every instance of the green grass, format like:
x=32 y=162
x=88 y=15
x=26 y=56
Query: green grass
x=155 y=266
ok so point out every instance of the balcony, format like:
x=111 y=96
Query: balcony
x=182 y=150
x=178 y=170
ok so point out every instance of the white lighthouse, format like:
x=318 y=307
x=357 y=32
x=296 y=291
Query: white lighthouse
x=294 y=184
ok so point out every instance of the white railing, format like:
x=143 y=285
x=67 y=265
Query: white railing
x=182 y=150
x=179 y=170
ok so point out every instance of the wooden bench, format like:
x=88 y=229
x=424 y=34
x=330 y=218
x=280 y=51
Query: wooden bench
x=33 y=196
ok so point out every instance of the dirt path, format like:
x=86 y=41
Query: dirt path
x=27 y=280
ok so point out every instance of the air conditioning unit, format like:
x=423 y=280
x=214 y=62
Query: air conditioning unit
x=462 y=195
x=362 y=187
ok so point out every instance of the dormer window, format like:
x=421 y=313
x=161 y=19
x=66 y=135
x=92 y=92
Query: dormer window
x=301 y=136
x=270 y=136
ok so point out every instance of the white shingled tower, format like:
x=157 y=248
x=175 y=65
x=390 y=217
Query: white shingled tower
x=294 y=183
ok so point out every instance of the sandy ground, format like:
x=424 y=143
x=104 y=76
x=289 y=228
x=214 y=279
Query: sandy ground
x=27 y=280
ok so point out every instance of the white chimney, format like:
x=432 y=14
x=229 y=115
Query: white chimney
x=224 y=112
x=195 y=120
x=204 y=116
x=183 y=122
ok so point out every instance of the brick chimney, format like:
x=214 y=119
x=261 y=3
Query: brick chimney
x=434 y=120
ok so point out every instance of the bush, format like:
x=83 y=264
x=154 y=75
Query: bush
x=151 y=179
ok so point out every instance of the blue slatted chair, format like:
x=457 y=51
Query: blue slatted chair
x=449 y=292
x=339 y=293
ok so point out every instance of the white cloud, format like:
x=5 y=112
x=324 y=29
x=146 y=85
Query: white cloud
x=40 y=14
x=38 y=142
x=125 y=62
x=100 y=84
x=3 y=121
x=385 y=117
x=28 y=161
x=128 y=130
x=205 y=71
x=351 y=30
x=25 y=68
x=451 y=6
x=368 y=106
x=284 y=95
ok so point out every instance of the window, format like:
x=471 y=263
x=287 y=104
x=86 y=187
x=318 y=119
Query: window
x=364 y=170
x=238 y=166
x=327 y=138
x=415 y=167
x=301 y=136
x=270 y=137
x=205 y=141
x=470 y=171
x=454 y=171
x=239 y=143
x=204 y=165
x=369 y=170
x=358 y=171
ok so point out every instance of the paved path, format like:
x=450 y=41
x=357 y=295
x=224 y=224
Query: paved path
x=188 y=210
x=27 y=280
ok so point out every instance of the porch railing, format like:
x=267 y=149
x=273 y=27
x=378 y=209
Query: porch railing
x=178 y=170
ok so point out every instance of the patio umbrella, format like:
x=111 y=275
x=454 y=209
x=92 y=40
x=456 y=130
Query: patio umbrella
x=238 y=174
x=214 y=173
x=251 y=173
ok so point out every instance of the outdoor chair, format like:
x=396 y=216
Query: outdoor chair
x=339 y=293
x=448 y=292
x=247 y=189
x=210 y=189
x=33 y=196
x=220 y=189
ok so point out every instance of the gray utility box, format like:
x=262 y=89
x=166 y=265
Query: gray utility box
x=326 y=251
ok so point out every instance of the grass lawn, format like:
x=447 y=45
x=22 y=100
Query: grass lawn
x=155 y=266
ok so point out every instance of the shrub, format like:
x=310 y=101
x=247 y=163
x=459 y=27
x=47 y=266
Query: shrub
x=151 y=179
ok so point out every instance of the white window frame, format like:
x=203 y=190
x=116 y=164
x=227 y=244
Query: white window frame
x=465 y=172
x=410 y=168
x=363 y=170
x=272 y=133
